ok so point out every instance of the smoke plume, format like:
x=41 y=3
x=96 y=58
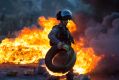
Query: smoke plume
x=104 y=38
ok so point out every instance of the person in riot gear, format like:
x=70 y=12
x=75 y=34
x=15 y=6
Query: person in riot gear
x=60 y=35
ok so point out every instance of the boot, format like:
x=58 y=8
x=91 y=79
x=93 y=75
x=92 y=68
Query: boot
x=53 y=78
x=70 y=76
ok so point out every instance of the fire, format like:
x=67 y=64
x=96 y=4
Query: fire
x=32 y=44
x=86 y=61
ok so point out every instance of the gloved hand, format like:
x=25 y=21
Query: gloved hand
x=66 y=47
x=62 y=45
x=59 y=45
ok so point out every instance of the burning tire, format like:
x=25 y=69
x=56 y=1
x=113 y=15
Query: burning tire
x=60 y=68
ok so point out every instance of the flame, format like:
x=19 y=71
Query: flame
x=86 y=61
x=32 y=44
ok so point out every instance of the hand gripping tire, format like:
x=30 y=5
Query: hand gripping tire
x=60 y=69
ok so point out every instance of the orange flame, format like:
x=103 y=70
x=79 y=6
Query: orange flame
x=32 y=44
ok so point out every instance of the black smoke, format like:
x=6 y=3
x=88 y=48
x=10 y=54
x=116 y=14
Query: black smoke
x=103 y=7
x=104 y=39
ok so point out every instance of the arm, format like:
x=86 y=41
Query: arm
x=52 y=36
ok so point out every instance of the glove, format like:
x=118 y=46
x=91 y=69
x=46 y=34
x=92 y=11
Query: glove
x=59 y=45
x=66 y=47
x=62 y=45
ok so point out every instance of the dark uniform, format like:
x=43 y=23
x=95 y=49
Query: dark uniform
x=60 y=33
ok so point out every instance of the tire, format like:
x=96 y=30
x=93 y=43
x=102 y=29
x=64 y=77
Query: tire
x=60 y=69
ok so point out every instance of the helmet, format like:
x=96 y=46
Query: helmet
x=64 y=15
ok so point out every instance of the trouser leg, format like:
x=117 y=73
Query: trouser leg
x=70 y=75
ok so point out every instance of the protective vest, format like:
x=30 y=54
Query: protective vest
x=63 y=35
